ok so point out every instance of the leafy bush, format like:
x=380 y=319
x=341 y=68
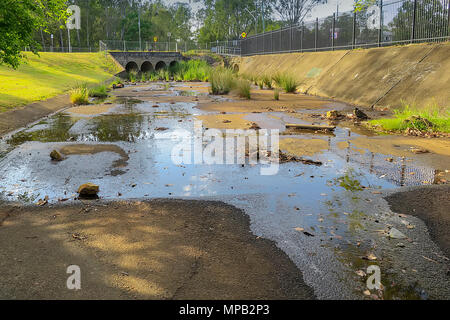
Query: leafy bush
x=192 y=70
x=243 y=88
x=288 y=83
x=261 y=84
x=222 y=80
x=99 y=92
x=267 y=80
x=132 y=76
x=79 y=95
x=432 y=118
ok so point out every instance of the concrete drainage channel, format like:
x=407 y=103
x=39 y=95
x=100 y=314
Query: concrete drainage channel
x=330 y=219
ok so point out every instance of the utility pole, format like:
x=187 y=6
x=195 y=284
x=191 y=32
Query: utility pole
x=139 y=25
x=256 y=20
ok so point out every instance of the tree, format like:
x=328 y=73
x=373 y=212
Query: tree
x=19 y=20
x=295 y=11
x=227 y=19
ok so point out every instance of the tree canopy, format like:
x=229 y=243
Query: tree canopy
x=18 y=22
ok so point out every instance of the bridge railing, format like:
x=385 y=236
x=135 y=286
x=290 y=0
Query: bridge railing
x=173 y=46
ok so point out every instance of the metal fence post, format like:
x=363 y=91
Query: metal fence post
x=413 y=27
x=271 y=41
x=333 y=30
x=301 y=36
x=290 y=39
x=448 y=18
x=354 y=30
x=281 y=42
x=316 y=34
x=380 y=31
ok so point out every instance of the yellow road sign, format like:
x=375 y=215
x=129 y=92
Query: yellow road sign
x=155 y=39
x=244 y=35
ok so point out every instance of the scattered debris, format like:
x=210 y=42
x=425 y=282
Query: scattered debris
x=78 y=236
x=418 y=150
x=42 y=202
x=333 y=115
x=360 y=273
x=396 y=234
x=370 y=257
x=290 y=158
x=360 y=115
x=254 y=126
x=310 y=127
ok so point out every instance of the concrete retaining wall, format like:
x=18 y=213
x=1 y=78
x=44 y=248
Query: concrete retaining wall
x=382 y=77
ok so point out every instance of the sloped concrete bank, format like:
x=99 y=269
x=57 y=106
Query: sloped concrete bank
x=417 y=74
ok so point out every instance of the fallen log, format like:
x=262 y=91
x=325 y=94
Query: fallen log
x=310 y=127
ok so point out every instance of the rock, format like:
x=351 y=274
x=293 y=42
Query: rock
x=161 y=129
x=88 y=190
x=155 y=106
x=118 y=86
x=360 y=115
x=400 y=245
x=419 y=150
x=333 y=115
x=226 y=121
x=254 y=126
x=56 y=156
x=396 y=234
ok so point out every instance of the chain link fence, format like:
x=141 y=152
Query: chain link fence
x=386 y=23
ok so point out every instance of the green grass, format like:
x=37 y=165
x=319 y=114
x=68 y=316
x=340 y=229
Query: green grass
x=276 y=94
x=267 y=80
x=51 y=74
x=222 y=81
x=243 y=88
x=132 y=76
x=287 y=82
x=432 y=118
x=79 y=95
x=99 y=92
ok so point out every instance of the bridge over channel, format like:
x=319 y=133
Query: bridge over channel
x=146 y=61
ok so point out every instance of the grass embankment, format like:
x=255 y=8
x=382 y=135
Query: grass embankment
x=429 y=119
x=49 y=74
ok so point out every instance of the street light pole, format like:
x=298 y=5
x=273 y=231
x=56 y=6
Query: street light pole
x=256 y=20
x=262 y=16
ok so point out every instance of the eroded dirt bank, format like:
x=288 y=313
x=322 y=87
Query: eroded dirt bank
x=159 y=249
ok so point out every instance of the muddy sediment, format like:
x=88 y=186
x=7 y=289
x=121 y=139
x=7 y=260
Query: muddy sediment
x=432 y=205
x=159 y=249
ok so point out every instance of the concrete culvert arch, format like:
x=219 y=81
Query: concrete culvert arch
x=236 y=68
x=173 y=64
x=160 y=65
x=131 y=66
x=146 y=67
